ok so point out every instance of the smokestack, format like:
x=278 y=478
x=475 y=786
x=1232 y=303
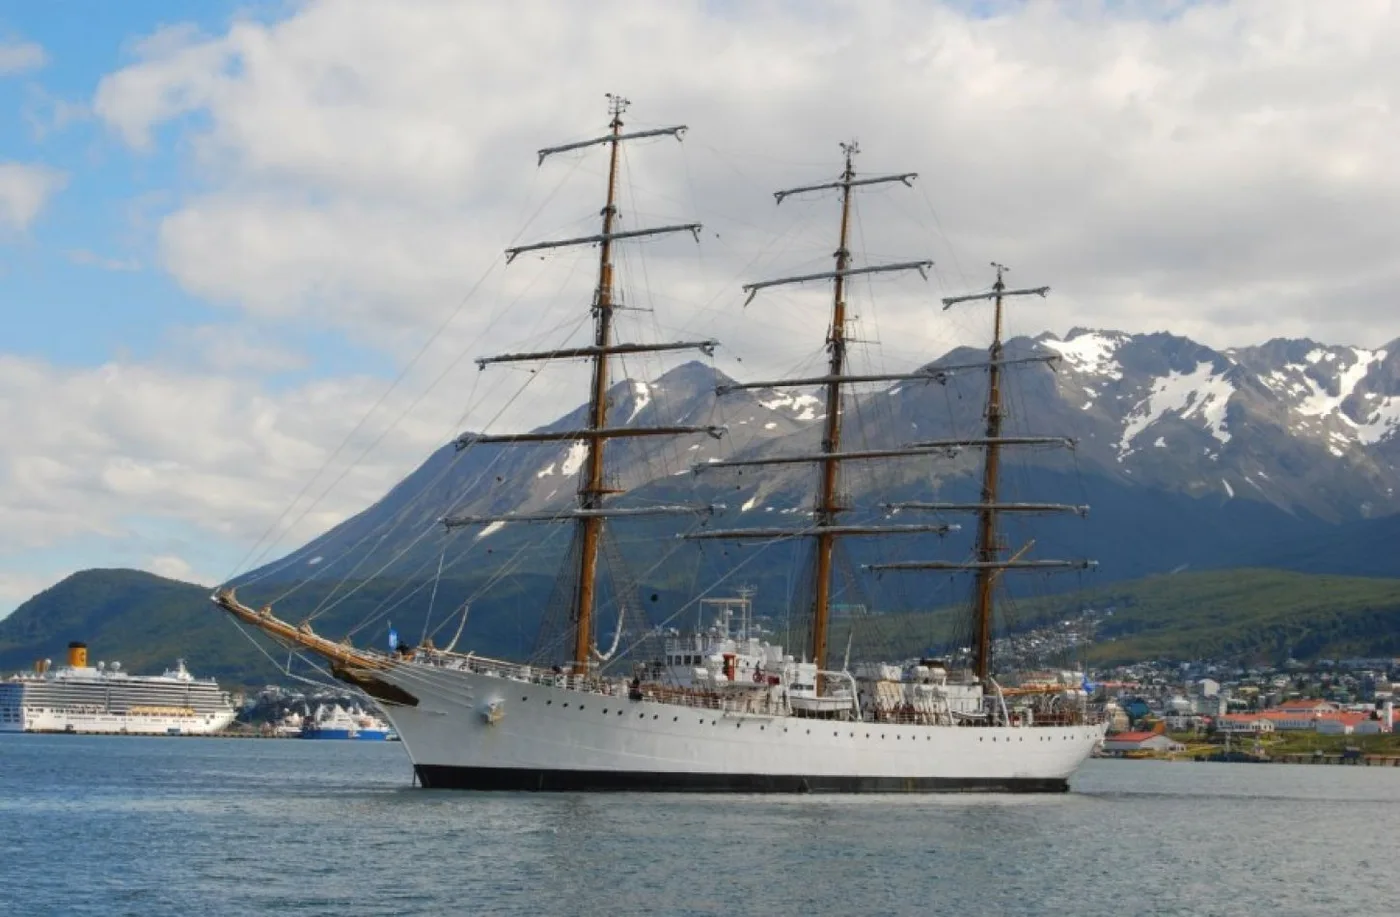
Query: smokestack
x=77 y=655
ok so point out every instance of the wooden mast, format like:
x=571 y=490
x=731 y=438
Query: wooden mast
x=988 y=548
x=827 y=498
x=591 y=484
x=591 y=512
x=826 y=527
x=987 y=565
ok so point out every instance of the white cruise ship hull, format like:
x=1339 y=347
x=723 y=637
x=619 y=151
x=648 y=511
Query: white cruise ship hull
x=470 y=730
x=117 y=724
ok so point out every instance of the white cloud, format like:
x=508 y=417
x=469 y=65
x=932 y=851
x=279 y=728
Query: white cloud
x=18 y=56
x=175 y=567
x=91 y=259
x=108 y=449
x=24 y=189
x=230 y=349
x=1223 y=170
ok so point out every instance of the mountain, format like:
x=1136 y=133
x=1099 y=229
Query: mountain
x=1255 y=615
x=1188 y=455
x=142 y=620
x=1279 y=455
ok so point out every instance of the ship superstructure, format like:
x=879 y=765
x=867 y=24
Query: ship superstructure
x=721 y=707
x=105 y=699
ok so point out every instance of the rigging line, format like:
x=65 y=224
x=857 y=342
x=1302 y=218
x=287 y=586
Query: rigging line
x=694 y=600
x=501 y=572
x=277 y=665
x=384 y=434
x=403 y=514
x=549 y=198
x=345 y=441
x=938 y=225
x=433 y=597
x=397 y=381
x=326 y=604
x=393 y=524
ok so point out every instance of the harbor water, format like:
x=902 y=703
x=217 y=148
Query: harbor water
x=153 y=826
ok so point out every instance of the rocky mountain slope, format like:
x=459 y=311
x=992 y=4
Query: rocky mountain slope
x=1282 y=455
x=1189 y=455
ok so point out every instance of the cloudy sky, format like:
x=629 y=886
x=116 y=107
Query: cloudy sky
x=246 y=258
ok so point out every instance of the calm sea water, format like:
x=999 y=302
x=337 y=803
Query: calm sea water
x=131 y=826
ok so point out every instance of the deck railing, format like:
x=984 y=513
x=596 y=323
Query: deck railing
x=757 y=700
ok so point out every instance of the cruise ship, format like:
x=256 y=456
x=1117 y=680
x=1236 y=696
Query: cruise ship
x=104 y=699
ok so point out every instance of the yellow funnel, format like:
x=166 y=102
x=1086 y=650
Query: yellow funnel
x=77 y=655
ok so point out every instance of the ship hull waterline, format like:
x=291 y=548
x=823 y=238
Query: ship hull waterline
x=473 y=731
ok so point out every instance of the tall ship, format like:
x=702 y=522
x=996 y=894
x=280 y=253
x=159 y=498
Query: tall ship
x=724 y=707
x=105 y=699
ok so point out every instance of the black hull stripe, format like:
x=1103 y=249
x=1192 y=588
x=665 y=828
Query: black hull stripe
x=444 y=777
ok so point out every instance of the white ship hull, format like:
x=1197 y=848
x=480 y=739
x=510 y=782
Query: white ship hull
x=117 y=724
x=476 y=731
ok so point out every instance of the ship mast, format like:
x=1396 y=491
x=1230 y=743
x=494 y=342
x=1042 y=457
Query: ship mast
x=826 y=525
x=988 y=565
x=593 y=490
x=987 y=544
x=827 y=502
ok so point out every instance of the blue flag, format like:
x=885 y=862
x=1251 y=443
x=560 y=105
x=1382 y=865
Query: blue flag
x=393 y=638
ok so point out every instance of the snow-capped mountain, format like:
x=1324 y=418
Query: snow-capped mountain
x=1292 y=423
x=1186 y=451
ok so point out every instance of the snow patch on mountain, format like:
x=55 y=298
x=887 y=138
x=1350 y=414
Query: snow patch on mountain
x=574 y=460
x=1319 y=400
x=1380 y=422
x=802 y=407
x=641 y=397
x=1090 y=352
x=1199 y=393
x=546 y=471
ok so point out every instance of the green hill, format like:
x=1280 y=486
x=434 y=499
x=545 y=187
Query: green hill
x=1255 y=614
x=146 y=621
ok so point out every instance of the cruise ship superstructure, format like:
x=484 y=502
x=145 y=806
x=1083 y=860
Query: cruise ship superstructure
x=105 y=699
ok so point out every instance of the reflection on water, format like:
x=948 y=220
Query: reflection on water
x=115 y=825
